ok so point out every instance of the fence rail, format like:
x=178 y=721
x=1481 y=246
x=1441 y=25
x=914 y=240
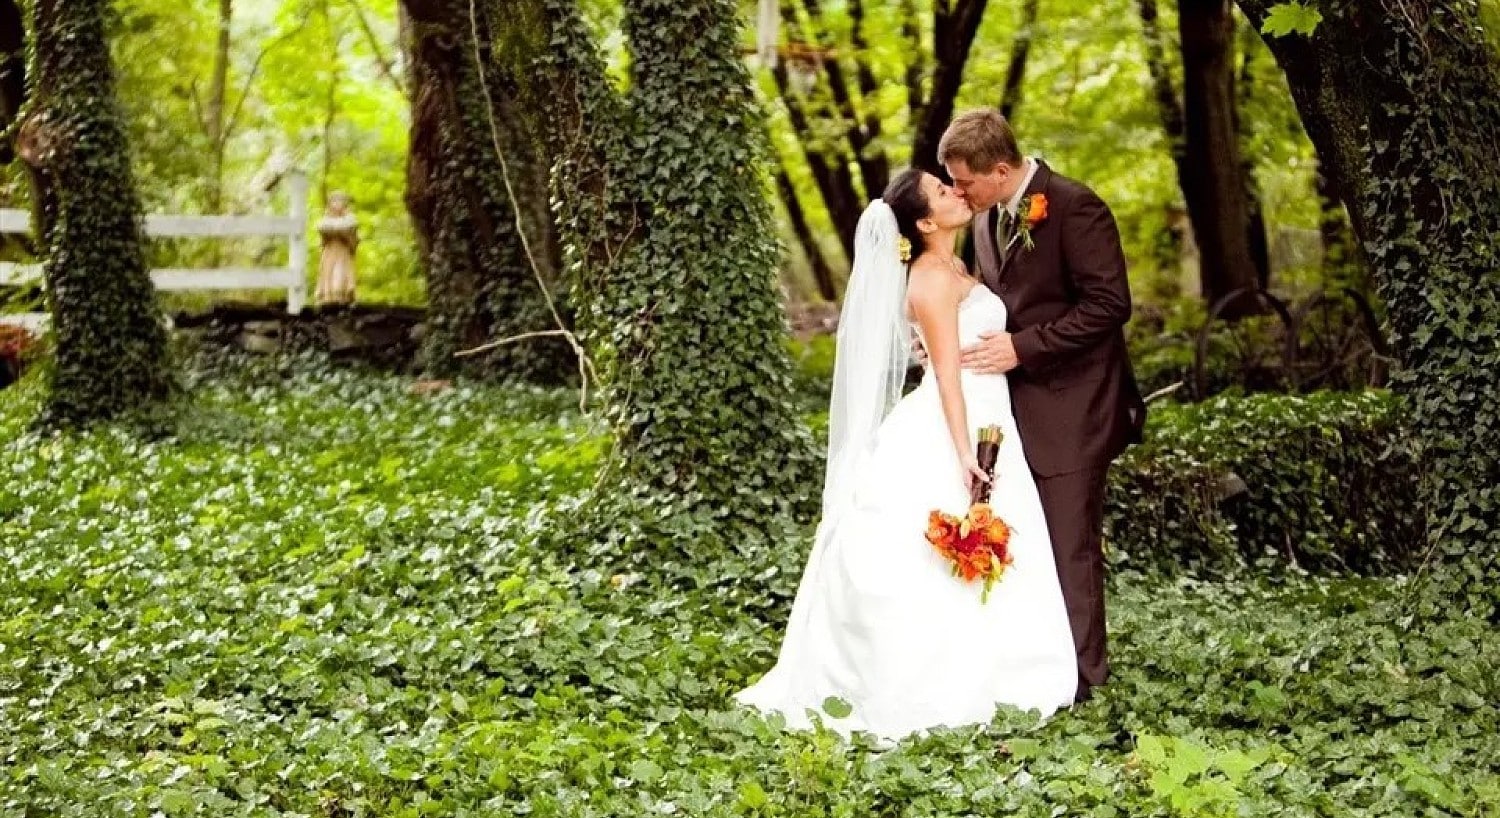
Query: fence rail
x=292 y=277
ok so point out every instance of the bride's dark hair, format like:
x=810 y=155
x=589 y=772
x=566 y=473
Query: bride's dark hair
x=906 y=199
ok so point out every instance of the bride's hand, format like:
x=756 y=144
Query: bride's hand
x=973 y=475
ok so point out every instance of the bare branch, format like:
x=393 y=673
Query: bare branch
x=239 y=105
x=387 y=68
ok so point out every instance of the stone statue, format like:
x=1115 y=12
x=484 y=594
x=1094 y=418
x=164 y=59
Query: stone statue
x=339 y=230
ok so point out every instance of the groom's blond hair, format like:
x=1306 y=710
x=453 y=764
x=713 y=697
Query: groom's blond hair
x=982 y=139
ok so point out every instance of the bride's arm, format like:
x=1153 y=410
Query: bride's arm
x=935 y=304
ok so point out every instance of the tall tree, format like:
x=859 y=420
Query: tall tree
x=1402 y=101
x=1203 y=130
x=852 y=164
x=471 y=153
x=1020 y=53
x=215 y=111
x=111 y=343
x=663 y=206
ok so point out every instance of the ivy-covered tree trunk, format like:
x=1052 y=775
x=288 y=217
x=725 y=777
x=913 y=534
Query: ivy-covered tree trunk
x=110 y=340
x=664 y=209
x=1403 y=103
x=481 y=286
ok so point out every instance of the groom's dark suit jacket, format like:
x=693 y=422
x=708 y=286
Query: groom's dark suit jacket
x=1075 y=397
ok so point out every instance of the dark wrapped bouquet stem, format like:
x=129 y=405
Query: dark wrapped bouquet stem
x=986 y=453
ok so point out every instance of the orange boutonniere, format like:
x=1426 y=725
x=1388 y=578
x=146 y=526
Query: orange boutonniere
x=1032 y=212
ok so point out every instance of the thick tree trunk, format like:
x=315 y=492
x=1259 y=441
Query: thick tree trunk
x=1403 y=104
x=684 y=316
x=1214 y=185
x=480 y=283
x=1202 y=137
x=111 y=346
x=1260 y=246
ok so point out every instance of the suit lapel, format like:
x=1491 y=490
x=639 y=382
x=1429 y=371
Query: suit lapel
x=1017 y=247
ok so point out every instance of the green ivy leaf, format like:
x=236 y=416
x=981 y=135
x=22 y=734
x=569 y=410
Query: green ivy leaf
x=836 y=707
x=646 y=772
x=1291 y=18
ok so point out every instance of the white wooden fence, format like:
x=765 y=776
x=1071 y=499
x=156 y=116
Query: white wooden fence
x=292 y=277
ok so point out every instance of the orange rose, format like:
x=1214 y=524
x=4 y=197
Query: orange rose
x=997 y=532
x=981 y=515
x=1037 y=209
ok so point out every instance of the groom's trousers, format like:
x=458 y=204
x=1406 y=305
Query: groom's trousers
x=1074 y=506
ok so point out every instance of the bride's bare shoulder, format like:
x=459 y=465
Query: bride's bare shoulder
x=933 y=284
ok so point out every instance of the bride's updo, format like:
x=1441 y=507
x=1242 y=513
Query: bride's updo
x=905 y=197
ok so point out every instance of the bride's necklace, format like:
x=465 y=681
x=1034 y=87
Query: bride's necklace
x=957 y=266
x=954 y=263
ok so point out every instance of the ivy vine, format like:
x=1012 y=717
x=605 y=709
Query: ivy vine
x=111 y=354
x=672 y=249
x=1403 y=102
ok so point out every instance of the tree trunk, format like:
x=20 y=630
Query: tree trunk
x=1214 y=185
x=955 y=25
x=874 y=166
x=1020 y=52
x=1259 y=243
x=829 y=164
x=822 y=273
x=830 y=173
x=1168 y=107
x=481 y=286
x=111 y=346
x=1404 y=107
x=214 y=110
x=680 y=306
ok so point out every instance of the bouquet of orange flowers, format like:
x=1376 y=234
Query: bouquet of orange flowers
x=978 y=544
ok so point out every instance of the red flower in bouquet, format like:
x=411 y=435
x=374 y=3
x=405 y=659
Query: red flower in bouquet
x=977 y=544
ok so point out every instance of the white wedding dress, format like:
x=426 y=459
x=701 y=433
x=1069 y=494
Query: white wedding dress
x=881 y=624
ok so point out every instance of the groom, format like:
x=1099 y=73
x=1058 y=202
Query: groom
x=1050 y=249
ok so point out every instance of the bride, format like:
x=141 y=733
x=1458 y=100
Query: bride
x=879 y=623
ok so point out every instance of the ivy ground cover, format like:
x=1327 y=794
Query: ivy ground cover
x=326 y=595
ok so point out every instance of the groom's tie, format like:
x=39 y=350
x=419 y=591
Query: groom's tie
x=1004 y=232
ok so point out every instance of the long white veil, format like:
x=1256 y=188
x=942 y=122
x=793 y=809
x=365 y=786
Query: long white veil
x=872 y=352
x=868 y=372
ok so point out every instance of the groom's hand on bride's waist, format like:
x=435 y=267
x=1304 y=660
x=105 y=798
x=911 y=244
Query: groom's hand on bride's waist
x=993 y=354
